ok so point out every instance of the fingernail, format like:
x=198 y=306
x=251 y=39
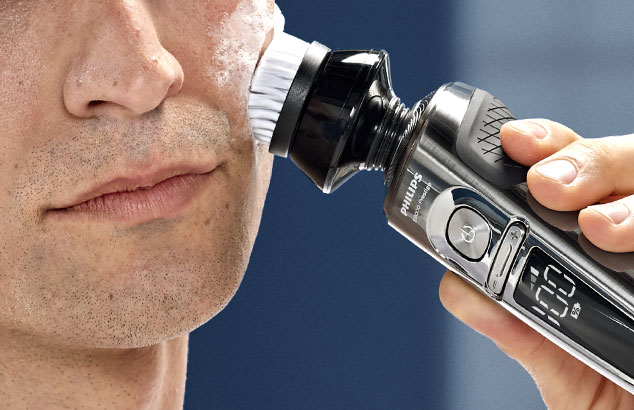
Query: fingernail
x=560 y=170
x=617 y=213
x=530 y=128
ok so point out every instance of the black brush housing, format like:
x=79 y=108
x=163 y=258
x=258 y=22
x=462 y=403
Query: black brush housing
x=341 y=116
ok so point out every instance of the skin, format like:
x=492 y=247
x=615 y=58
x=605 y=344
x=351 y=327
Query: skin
x=95 y=314
x=603 y=169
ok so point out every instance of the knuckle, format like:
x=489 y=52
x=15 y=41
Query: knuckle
x=597 y=151
x=552 y=126
x=560 y=131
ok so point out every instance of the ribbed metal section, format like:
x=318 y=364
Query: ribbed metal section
x=393 y=137
x=388 y=136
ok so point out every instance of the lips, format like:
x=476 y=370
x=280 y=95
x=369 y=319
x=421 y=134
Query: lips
x=133 y=199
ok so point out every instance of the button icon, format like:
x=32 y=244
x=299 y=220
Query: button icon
x=515 y=235
x=468 y=234
x=510 y=244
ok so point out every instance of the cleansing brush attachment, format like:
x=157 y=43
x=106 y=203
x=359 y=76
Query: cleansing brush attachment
x=271 y=83
x=296 y=99
x=338 y=113
x=350 y=109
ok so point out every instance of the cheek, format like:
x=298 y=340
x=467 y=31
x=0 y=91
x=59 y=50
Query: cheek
x=235 y=45
x=31 y=74
x=259 y=185
x=219 y=52
x=19 y=78
x=264 y=165
x=265 y=168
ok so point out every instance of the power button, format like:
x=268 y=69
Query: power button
x=468 y=233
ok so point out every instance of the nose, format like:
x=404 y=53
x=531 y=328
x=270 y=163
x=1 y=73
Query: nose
x=121 y=69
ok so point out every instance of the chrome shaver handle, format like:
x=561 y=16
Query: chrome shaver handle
x=462 y=200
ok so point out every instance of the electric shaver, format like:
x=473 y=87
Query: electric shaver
x=453 y=192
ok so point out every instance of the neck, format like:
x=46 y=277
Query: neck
x=34 y=375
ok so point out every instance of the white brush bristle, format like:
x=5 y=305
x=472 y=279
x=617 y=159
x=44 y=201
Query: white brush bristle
x=271 y=83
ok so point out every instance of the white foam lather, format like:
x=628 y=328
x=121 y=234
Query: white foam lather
x=272 y=81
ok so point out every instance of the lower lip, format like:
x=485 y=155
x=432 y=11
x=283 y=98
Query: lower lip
x=166 y=199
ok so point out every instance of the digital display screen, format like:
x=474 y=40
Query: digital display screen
x=560 y=300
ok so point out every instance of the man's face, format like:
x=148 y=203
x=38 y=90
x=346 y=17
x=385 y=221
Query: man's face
x=104 y=96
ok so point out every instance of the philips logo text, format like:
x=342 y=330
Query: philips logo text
x=411 y=191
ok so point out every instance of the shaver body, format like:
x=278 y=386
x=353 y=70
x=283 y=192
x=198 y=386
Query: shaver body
x=454 y=193
x=457 y=196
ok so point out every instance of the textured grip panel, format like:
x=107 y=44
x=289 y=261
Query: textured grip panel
x=489 y=137
x=478 y=142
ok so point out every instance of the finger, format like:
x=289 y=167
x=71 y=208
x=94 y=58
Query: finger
x=551 y=367
x=610 y=226
x=530 y=141
x=583 y=173
x=485 y=316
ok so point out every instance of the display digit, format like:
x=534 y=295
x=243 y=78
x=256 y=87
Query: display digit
x=558 y=298
x=552 y=301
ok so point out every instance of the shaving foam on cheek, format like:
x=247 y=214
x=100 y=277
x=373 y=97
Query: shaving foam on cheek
x=239 y=38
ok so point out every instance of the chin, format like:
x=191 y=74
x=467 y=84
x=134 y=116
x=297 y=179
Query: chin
x=165 y=299
x=178 y=299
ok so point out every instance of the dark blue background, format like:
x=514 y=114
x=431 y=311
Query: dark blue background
x=337 y=310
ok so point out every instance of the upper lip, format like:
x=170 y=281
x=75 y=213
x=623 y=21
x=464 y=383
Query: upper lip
x=136 y=178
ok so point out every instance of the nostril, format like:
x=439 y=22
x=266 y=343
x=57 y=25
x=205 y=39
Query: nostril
x=94 y=103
